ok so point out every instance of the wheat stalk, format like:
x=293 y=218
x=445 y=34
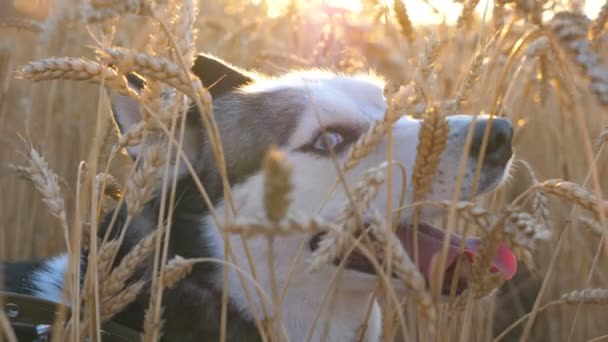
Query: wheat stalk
x=21 y=24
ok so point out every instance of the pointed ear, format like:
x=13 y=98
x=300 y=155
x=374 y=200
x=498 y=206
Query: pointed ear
x=219 y=76
x=126 y=111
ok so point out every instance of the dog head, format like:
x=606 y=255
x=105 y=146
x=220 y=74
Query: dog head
x=314 y=118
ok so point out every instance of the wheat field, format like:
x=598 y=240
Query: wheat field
x=543 y=64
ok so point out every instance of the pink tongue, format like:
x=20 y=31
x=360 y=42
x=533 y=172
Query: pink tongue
x=430 y=240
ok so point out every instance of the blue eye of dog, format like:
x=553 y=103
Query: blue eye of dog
x=327 y=140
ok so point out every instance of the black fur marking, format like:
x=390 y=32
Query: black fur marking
x=17 y=276
x=219 y=76
x=136 y=81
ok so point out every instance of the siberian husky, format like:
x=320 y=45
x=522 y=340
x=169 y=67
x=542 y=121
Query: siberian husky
x=311 y=116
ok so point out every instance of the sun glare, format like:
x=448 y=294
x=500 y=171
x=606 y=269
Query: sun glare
x=419 y=11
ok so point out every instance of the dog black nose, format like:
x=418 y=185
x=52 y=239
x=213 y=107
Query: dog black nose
x=498 y=148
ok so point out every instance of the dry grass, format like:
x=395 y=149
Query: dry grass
x=546 y=73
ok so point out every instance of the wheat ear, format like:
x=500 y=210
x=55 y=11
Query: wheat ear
x=77 y=69
x=157 y=68
x=432 y=139
x=404 y=20
x=142 y=184
x=127 y=266
x=597 y=26
x=586 y=296
x=573 y=193
x=277 y=185
x=47 y=184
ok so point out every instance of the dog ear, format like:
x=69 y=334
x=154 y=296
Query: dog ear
x=126 y=111
x=219 y=76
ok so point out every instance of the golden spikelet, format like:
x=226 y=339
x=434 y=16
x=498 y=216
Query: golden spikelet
x=541 y=201
x=105 y=257
x=109 y=184
x=407 y=29
x=537 y=47
x=134 y=136
x=464 y=91
x=593 y=225
x=277 y=185
x=157 y=68
x=142 y=184
x=372 y=137
x=47 y=183
x=175 y=270
x=76 y=69
x=293 y=223
x=586 y=296
x=471 y=212
x=127 y=266
x=432 y=48
x=573 y=193
x=524 y=233
x=432 y=139
x=467 y=13
x=184 y=30
x=365 y=144
x=152 y=326
x=120 y=301
x=597 y=26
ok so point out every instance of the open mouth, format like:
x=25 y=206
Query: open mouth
x=430 y=240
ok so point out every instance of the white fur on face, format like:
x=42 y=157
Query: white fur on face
x=355 y=102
